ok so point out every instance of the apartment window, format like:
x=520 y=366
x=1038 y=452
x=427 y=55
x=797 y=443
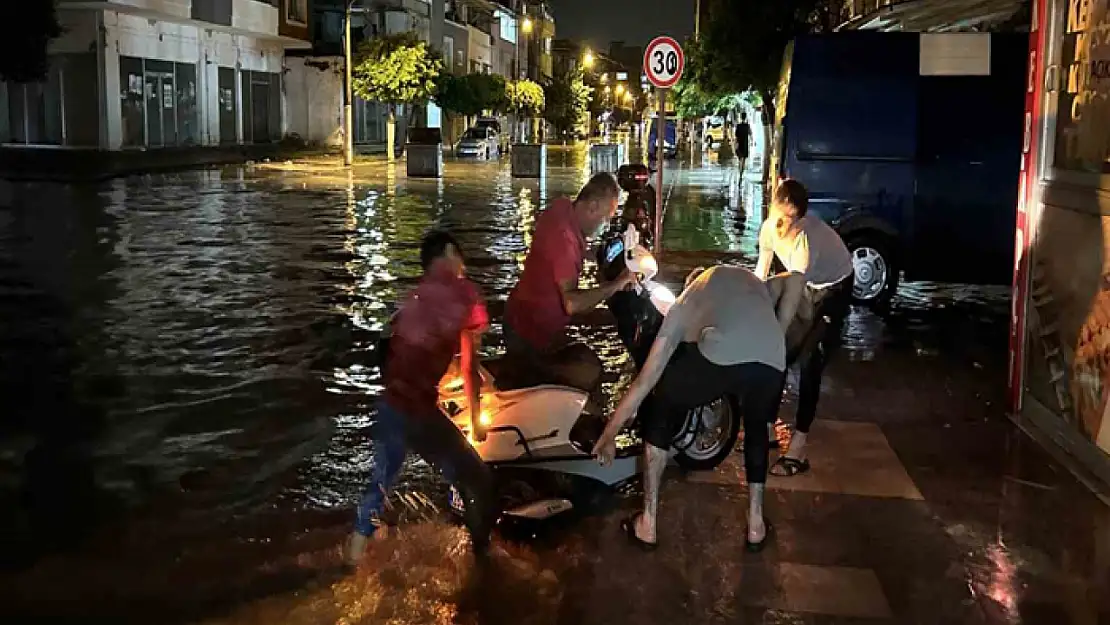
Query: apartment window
x=296 y=12
x=449 y=53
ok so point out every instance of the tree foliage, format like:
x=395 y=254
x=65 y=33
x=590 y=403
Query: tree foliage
x=23 y=53
x=568 y=99
x=395 y=69
x=742 y=46
x=472 y=94
x=525 y=97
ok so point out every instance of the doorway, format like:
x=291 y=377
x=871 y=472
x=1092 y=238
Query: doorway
x=161 y=120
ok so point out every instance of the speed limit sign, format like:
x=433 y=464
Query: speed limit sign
x=663 y=62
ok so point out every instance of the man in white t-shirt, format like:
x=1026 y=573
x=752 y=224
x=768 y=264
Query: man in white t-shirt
x=724 y=335
x=807 y=246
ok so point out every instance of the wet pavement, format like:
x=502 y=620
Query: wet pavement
x=189 y=375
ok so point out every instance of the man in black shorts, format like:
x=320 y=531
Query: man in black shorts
x=725 y=335
x=743 y=141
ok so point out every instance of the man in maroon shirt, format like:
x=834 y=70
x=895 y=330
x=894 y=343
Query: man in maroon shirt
x=540 y=307
x=442 y=317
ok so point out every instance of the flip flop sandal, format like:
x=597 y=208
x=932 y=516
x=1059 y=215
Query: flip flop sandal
x=789 y=467
x=757 y=547
x=628 y=526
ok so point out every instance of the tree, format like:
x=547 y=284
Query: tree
x=525 y=98
x=395 y=69
x=23 y=53
x=742 y=46
x=472 y=94
x=568 y=99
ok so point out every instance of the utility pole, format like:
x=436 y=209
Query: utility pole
x=697 y=19
x=348 y=118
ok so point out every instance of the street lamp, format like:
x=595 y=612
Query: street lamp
x=526 y=26
x=588 y=59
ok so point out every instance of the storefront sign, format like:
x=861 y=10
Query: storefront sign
x=1029 y=180
x=1083 y=117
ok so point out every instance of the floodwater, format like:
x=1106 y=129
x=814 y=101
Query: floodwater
x=189 y=370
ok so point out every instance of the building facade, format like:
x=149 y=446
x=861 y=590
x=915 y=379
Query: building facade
x=159 y=74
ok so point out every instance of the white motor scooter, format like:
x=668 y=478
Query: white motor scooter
x=551 y=430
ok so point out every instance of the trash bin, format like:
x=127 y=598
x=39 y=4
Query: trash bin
x=606 y=157
x=529 y=160
x=424 y=153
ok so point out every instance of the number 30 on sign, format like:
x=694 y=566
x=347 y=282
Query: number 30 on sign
x=663 y=62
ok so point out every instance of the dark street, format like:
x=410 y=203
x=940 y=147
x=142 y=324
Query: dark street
x=190 y=373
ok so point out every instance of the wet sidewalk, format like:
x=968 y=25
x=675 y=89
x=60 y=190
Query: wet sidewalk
x=924 y=505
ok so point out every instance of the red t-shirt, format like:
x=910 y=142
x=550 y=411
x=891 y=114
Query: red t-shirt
x=426 y=339
x=535 y=308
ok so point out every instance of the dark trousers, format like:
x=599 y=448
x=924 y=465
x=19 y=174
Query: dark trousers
x=834 y=306
x=565 y=363
x=441 y=444
x=691 y=381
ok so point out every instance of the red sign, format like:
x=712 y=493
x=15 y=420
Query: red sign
x=1030 y=167
x=664 y=62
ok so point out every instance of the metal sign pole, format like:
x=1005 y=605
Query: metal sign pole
x=660 y=158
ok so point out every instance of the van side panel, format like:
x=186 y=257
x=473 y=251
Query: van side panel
x=849 y=132
x=968 y=168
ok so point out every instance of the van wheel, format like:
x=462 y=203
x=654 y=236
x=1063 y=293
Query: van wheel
x=876 y=272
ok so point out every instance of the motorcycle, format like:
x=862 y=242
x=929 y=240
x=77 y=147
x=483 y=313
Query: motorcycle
x=539 y=440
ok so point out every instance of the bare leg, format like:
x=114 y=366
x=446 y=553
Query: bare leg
x=653 y=477
x=757 y=529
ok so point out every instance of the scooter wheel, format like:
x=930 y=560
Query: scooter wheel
x=709 y=449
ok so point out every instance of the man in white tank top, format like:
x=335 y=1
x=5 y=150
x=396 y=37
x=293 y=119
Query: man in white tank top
x=724 y=336
x=807 y=246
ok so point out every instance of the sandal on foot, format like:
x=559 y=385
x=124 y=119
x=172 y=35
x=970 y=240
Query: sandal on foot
x=789 y=467
x=757 y=547
x=628 y=526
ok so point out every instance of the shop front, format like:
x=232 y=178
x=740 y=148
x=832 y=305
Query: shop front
x=1060 y=338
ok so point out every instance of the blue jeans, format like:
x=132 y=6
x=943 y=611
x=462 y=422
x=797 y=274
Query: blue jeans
x=439 y=442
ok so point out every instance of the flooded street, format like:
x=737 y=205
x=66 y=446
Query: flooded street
x=189 y=372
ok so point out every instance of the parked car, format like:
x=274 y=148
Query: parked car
x=909 y=152
x=714 y=131
x=479 y=141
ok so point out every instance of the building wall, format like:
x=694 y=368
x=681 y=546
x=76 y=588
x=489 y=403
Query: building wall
x=480 y=53
x=134 y=36
x=314 y=92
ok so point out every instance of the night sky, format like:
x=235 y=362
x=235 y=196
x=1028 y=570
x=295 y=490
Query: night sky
x=635 y=21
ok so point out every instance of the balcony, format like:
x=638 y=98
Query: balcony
x=930 y=15
x=416 y=7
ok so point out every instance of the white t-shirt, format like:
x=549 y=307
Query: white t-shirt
x=730 y=313
x=817 y=251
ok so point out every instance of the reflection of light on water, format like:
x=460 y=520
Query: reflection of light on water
x=1000 y=587
x=526 y=209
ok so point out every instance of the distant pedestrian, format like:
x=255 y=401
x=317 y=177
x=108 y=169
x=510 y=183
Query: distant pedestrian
x=743 y=141
x=806 y=245
x=442 y=317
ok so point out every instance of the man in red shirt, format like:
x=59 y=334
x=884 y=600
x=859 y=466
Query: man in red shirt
x=442 y=317
x=540 y=307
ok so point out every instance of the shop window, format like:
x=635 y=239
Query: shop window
x=1082 y=142
x=158 y=101
x=228 y=106
x=296 y=12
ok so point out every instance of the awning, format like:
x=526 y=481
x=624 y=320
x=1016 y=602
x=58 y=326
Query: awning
x=937 y=15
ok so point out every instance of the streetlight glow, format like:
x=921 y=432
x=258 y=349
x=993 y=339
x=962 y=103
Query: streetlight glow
x=588 y=59
x=526 y=25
